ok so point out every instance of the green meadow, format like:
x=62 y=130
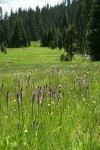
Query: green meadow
x=46 y=104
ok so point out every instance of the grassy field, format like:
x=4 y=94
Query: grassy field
x=46 y=104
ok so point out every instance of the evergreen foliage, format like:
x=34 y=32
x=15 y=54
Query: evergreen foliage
x=65 y=25
x=19 y=36
x=60 y=42
x=82 y=19
x=94 y=32
x=2 y=47
x=70 y=44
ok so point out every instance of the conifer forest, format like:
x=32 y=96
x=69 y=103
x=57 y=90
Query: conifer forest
x=50 y=77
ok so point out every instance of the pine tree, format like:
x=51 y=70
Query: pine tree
x=19 y=36
x=80 y=22
x=44 y=40
x=70 y=41
x=1 y=13
x=23 y=34
x=28 y=37
x=0 y=25
x=60 y=42
x=50 y=36
x=94 y=31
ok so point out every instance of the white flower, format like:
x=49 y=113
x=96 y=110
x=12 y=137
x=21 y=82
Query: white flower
x=60 y=86
x=24 y=143
x=25 y=131
x=94 y=102
x=51 y=113
x=48 y=104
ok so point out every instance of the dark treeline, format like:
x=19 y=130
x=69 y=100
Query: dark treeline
x=69 y=25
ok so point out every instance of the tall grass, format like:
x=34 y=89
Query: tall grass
x=46 y=104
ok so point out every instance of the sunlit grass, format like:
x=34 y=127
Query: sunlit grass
x=69 y=123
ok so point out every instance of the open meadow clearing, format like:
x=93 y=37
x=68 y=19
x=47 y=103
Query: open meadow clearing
x=46 y=104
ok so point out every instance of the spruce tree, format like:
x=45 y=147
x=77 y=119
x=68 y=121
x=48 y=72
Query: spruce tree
x=94 y=32
x=60 y=42
x=1 y=14
x=19 y=36
x=28 y=37
x=23 y=34
x=44 y=40
x=70 y=43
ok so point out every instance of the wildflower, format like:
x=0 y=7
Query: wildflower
x=26 y=131
x=49 y=105
x=50 y=93
x=25 y=143
x=94 y=102
x=50 y=86
x=52 y=73
x=59 y=94
x=6 y=117
x=86 y=90
x=40 y=102
x=84 y=99
x=33 y=96
x=59 y=86
x=54 y=94
x=39 y=95
x=21 y=94
x=80 y=82
x=44 y=92
x=40 y=92
x=18 y=99
x=51 y=113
